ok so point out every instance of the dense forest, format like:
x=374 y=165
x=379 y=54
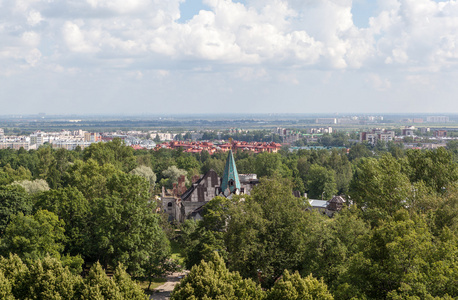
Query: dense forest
x=70 y=217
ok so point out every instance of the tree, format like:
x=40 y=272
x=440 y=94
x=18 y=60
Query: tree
x=294 y=287
x=127 y=230
x=33 y=187
x=212 y=280
x=73 y=208
x=47 y=278
x=157 y=139
x=188 y=163
x=213 y=164
x=33 y=237
x=13 y=200
x=114 y=152
x=97 y=285
x=381 y=185
x=395 y=259
x=332 y=242
x=173 y=174
x=89 y=178
x=8 y=174
x=147 y=173
x=435 y=168
x=321 y=182
x=359 y=150
x=267 y=164
x=267 y=231
x=5 y=288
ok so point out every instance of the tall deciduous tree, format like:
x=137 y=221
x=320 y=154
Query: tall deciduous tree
x=114 y=152
x=321 y=182
x=47 y=279
x=33 y=237
x=267 y=232
x=381 y=185
x=267 y=164
x=436 y=168
x=147 y=173
x=294 y=287
x=127 y=230
x=33 y=187
x=73 y=208
x=212 y=280
x=13 y=200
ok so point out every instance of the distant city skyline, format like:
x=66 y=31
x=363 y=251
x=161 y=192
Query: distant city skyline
x=115 y=57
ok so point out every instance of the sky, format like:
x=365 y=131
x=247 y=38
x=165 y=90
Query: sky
x=228 y=56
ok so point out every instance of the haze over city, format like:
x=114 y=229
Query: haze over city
x=223 y=56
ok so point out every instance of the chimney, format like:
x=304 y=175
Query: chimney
x=181 y=184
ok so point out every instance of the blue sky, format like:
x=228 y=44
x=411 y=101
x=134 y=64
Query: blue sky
x=213 y=56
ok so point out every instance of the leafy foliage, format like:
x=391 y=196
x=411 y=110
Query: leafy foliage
x=33 y=237
x=293 y=287
x=212 y=280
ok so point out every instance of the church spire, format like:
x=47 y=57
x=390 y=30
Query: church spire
x=231 y=181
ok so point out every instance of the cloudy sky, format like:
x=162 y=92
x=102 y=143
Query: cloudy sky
x=220 y=56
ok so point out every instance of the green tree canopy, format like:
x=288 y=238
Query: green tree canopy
x=321 y=182
x=381 y=185
x=114 y=152
x=13 y=200
x=147 y=173
x=212 y=280
x=294 y=287
x=48 y=279
x=73 y=208
x=267 y=231
x=33 y=237
x=267 y=164
x=33 y=187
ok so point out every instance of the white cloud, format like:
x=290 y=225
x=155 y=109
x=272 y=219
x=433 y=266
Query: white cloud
x=257 y=41
x=33 y=57
x=34 y=18
x=377 y=82
x=76 y=40
x=420 y=33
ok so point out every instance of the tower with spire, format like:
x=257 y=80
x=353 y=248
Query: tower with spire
x=230 y=183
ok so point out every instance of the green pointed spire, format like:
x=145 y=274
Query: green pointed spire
x=231 y=179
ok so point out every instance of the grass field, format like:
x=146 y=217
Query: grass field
x=177 y=254
x=154 y=284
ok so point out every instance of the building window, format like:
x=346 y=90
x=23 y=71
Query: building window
x=231 y=182
x=170 y=204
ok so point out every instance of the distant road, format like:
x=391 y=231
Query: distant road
x=163 y=292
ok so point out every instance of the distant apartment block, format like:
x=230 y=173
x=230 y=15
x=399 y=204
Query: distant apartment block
x=377 y=134
x=408 y=131
x=288 y=136
x=437 y=119
x=16 y=145
x=70 y=145
x=326 y=121
x=163 y=136
x=352 y=120
x=425 y=130
x=320 y=130
x=440 y=133
x=92 y=137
